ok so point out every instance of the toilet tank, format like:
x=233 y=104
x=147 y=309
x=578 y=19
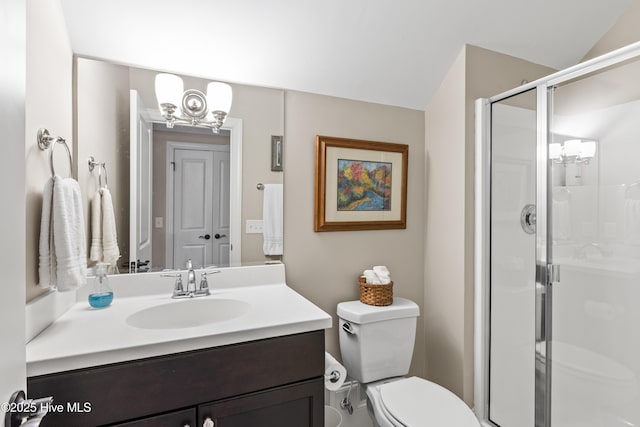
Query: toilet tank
x=377 y=342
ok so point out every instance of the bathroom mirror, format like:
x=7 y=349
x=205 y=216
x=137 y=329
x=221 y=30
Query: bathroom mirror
x=109 y=98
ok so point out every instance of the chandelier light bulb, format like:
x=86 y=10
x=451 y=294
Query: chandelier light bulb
x=169 y=90
x=219 y=97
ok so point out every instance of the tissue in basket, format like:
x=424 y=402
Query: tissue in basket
x=379 y=295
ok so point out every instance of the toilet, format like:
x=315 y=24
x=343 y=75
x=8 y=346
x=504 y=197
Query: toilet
x=376 y=344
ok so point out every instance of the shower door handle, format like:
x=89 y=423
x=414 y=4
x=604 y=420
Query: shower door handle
x=541 y=300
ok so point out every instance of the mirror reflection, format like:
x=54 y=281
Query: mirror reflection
x=178 y=193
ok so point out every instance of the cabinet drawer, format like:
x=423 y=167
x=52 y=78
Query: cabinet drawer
x=298 y=405
x=186 y=418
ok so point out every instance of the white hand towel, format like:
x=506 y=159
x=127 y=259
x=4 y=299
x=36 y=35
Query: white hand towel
x=384 y=276
x=95 y=252
x=69 y=235
x=371 y=277
x=46 y=259
x=272 y=219
x=110 y=249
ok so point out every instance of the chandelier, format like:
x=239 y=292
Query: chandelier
x=191 y=106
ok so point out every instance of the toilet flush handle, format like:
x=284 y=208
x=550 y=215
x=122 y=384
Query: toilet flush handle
x=346 y=326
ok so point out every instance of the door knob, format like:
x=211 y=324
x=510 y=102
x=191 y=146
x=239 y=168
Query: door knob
x=206 y=237
x=219 y=236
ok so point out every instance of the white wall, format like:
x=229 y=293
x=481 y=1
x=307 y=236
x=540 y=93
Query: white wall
x=48 y=105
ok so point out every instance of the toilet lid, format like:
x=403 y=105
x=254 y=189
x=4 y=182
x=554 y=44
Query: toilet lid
x=414 y=402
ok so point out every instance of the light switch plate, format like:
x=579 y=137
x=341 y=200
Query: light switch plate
x=254 y=226
x=159 y=222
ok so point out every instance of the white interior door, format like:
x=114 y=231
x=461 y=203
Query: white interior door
x=141 y=134
x=221 y=210
x=201 y=205
x=12 y=226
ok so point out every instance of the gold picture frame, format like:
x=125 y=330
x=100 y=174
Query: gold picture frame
x=360 y=185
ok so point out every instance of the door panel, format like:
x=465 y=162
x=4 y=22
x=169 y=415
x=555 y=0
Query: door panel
x=140 y=188
x=221 y=212
x=595 y=224
x=12 y=226
x=512 y=264
x=193 y=204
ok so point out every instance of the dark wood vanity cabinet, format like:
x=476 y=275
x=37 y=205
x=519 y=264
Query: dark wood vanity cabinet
x=272 y=382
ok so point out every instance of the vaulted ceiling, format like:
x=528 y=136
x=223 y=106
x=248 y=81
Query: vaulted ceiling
x=389 y=52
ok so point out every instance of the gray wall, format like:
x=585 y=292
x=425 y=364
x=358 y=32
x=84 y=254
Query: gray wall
x=324 y=267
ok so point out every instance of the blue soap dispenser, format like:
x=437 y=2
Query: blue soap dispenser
x=101 y=294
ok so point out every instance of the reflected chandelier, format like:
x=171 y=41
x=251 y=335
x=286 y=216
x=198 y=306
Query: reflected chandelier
x=191 y=106
x=572 y=151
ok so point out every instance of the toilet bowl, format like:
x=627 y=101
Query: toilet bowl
x=376 y=344
x=417 y=402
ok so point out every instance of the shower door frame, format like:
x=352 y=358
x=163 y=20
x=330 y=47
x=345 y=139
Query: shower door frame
x=482 y=245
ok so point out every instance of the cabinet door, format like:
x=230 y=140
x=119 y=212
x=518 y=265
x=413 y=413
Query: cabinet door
x=185 y=418
x=298 y=405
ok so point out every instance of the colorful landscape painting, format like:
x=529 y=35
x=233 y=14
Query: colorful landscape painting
x=364 y=186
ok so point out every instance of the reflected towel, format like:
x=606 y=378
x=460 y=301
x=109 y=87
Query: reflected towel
x=272 y=219
x=110 y=250
x=104 y=238
x=62 y=261
x=95 y=251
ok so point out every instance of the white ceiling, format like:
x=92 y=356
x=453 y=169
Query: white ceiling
x=389 y=52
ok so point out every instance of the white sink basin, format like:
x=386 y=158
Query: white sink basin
x=188 y=313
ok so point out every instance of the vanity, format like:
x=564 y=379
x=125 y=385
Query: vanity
x=251 y=353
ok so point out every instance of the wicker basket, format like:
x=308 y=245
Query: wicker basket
x=379 y=295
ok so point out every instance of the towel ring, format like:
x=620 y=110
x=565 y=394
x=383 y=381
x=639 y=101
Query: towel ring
x=102 y=166
x=45 y=141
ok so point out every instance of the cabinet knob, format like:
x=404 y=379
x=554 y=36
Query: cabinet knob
x=208 y=422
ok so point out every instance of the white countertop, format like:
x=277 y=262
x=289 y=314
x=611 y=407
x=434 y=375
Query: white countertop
x=85 y=337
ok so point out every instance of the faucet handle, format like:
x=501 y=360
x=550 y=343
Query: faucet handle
x=204 y=284
x=189 y=265
x=171 y=275
x=177 y=287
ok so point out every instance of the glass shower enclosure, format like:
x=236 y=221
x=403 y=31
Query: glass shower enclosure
x=558 y=249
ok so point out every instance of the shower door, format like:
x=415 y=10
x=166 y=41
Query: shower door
x=513 y=260
x=594 y=218
x=558 y=249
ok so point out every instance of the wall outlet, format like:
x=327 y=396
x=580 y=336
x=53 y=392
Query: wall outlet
x=254 y=226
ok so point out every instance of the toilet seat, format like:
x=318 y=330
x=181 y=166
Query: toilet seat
x=415 y=402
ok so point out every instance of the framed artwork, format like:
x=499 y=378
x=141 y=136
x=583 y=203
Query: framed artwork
x=360 y=185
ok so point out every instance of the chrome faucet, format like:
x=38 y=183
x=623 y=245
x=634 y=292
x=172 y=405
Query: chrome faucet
x=192 y=290
x=581 y=252
x=191 y=277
